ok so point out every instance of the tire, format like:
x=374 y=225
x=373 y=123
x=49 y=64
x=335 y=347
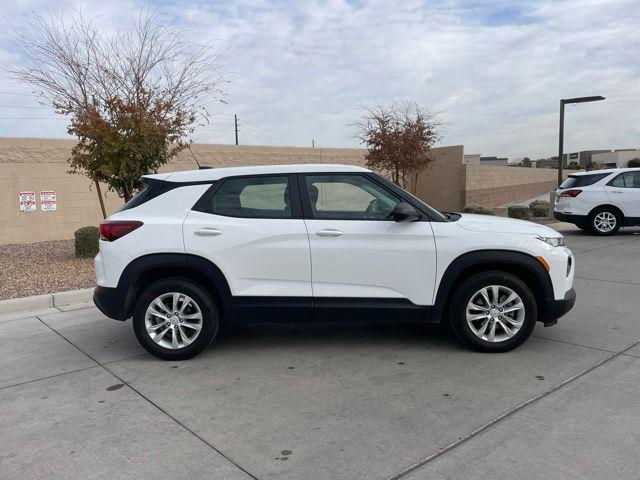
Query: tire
x=520 y=323
x=601 y=219
x=181 y=339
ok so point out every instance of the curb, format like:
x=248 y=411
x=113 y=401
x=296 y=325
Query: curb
x=49 y=300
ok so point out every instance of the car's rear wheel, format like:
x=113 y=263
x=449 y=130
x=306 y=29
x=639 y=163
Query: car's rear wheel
x=493 y=311
x=605 y=221
x=175 y=319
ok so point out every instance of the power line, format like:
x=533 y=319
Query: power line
x=272 y=134
x=266 y=136
x=266 y=141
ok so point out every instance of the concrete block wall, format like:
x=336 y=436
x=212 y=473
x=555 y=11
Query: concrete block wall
x=442 y=184
x=493 y=186
x=34 y=164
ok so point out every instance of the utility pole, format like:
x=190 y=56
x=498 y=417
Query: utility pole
x=235 y=118
x=313 y=143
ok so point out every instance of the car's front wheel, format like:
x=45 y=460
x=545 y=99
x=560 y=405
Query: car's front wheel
x=175 y=319
x=493 y=311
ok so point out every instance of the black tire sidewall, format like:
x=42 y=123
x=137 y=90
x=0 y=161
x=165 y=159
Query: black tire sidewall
x=469 y=287
x=210 y=319
x=592 y=218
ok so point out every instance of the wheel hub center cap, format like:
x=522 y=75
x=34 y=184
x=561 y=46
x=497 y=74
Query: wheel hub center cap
x=494 y=313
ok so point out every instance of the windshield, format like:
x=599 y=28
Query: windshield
x=575 y=181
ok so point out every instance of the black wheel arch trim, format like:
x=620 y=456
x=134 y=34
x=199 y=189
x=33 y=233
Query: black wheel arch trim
x=493 y=259
x=118 y=302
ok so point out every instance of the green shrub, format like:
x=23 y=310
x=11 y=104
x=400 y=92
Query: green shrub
x=478 y=209
x=540 y=210
x=86 y=241
x=538 y=202
x=634 y=163
x=519 y=211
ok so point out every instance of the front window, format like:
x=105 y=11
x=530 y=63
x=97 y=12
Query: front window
x=349 y=197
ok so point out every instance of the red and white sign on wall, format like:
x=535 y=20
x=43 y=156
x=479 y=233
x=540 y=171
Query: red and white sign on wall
x=27 y=201
x=48 y=201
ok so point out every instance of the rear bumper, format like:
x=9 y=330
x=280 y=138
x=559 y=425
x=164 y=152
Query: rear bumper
x=557 y=308
x=111 y=302
x=579 y=220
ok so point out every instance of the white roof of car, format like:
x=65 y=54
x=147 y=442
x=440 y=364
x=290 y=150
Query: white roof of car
x=217 y=173
x=605 y=170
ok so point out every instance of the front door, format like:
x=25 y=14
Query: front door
x=357 y=251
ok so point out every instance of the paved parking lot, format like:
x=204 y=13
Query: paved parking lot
x=80 y=399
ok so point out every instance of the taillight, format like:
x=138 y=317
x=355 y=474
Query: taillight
x=111 y=230
x=574 y=192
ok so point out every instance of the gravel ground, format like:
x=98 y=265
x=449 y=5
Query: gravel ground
x=45 y=267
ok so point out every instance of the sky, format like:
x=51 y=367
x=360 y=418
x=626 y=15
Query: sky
x=493 y=70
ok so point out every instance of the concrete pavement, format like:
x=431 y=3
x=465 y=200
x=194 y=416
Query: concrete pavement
x=80 y=399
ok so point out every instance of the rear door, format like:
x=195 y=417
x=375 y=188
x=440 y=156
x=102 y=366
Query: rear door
x=357 y=251
x=624 y=192
x=252 y=229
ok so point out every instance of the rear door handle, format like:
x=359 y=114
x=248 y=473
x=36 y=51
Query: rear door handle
x=329 y=232
x=208 y=232
x=616 y=191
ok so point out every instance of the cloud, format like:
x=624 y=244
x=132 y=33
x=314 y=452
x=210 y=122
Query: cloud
x=494 y=69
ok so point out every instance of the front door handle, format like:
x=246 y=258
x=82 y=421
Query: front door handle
x=616 y=191
x=208 y=232
x=329 y=232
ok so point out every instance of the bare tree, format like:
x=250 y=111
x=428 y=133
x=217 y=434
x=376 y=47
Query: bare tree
x=133 y=96
x=399 y=138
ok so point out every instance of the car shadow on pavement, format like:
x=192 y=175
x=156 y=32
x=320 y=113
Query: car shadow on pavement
x=275 y=336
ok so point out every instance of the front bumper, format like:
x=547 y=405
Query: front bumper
x=110 y=301
x=554 y=309
x=578 y=220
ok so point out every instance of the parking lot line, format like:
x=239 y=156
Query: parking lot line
x=508 y=414
x=148 y=400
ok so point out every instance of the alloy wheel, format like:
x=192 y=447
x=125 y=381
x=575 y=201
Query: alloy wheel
x=605 y=222
x=173 y=320
x=495 y=313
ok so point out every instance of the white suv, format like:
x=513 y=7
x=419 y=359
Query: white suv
x=600 y=201
x=199 y=251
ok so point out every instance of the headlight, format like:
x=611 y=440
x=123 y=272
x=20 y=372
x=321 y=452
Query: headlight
x=553 y=241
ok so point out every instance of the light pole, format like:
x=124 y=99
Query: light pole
x=563 y=102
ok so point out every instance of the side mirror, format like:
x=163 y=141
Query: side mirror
x=403 y=212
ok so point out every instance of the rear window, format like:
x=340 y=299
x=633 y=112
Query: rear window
x=575 y=181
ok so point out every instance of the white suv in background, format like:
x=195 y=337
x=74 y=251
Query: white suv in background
x=203 y=250
x=600 y=201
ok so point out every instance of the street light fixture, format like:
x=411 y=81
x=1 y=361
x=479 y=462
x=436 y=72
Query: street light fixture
x=563 y=102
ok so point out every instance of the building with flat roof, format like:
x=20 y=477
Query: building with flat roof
x=582 y=158
x=616 y=158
